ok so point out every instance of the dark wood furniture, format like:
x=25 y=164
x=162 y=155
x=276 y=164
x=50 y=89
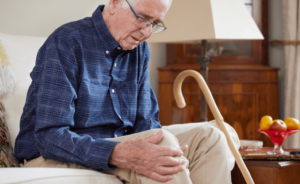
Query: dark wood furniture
x=269 y=172
x=244 y=87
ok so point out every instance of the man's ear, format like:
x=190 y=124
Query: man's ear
x=114 y=5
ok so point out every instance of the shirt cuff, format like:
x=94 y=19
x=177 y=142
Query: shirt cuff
x=100 y=153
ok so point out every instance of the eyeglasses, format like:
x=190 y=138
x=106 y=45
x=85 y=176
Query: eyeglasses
x=143 y=23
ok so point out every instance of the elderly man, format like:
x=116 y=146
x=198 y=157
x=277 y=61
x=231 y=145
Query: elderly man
x=90 y=104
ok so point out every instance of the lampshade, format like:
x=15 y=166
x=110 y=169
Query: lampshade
x=211 y=20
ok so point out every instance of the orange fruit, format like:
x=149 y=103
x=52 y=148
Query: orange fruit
x=266 y=122
x=292 y=123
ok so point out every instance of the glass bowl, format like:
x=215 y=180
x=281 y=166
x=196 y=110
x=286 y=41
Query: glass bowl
x=278 y=137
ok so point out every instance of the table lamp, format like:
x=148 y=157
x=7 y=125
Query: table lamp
x=202 y=21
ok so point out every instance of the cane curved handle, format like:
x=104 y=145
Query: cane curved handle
x=215 y=111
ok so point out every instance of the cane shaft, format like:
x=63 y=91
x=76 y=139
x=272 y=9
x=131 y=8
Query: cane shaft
x=215 y=111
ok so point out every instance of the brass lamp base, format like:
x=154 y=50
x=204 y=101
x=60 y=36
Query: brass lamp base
x=204 y=62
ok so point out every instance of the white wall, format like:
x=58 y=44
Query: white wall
x=276 y=53
x=42 y=17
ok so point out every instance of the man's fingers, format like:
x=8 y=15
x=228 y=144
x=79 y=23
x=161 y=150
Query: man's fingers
x=161 y=178
x=165 y=150
x=168 y=161
x=155 y=138
x=185 y=161
x=184 y=148
x=169 y=170
x=170 y=151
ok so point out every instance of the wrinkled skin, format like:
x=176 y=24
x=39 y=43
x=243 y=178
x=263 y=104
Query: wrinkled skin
x=120 y=22
x=149 y=159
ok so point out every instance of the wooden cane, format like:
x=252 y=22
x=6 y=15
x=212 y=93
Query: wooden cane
x=214 y=109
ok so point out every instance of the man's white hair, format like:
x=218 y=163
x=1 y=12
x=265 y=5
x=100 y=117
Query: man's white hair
x=125 y=4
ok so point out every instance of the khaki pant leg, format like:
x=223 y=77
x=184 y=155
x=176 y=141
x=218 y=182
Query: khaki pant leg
x=41 y=162
x=126 y=175
x=207 y=154
x=132 y=177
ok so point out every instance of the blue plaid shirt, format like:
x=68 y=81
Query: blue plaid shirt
x=85 y=88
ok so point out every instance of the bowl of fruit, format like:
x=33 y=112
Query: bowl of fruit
x=278 y=131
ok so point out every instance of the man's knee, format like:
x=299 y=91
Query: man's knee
x=210 y=137
x=153 y=131
x=216 y=133
x=216 y=141
x=167 y=134
x=168 y=139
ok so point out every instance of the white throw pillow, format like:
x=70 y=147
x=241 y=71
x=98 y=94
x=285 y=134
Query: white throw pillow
x=21 y=52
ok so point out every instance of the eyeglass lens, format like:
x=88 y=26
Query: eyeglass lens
x=142 y=23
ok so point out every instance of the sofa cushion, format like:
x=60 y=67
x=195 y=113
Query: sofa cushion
x=6 y=150
x=55 y=175
x=21 y=52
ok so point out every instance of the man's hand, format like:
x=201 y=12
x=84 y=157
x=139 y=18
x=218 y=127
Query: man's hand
x=149 y=159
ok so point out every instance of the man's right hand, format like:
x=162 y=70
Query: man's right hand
x=149 y=159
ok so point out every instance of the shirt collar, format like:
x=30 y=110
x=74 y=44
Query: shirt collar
x=107 y=39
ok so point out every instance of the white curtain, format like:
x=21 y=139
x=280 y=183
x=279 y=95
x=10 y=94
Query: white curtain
x=291 y=31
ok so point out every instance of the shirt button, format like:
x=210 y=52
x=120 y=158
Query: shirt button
x=107 y=52
x=115 y=64
x=118 y=48
x=125 y=130
x=113 y=91
x=116 y=135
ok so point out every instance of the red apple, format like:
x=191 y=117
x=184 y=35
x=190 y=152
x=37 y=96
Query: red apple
x=278 y=125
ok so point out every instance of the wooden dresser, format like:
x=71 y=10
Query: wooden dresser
x=269 y=172
x=244 y=87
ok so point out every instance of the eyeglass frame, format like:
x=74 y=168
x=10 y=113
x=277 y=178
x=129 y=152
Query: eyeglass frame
x=151 y=23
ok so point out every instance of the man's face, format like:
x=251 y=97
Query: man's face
x=126 y=33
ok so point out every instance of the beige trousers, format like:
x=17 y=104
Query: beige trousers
x=207 y=153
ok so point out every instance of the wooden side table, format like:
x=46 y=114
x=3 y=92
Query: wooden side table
x=269 y=172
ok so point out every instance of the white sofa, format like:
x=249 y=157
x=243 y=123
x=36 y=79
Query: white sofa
x=21 y=52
